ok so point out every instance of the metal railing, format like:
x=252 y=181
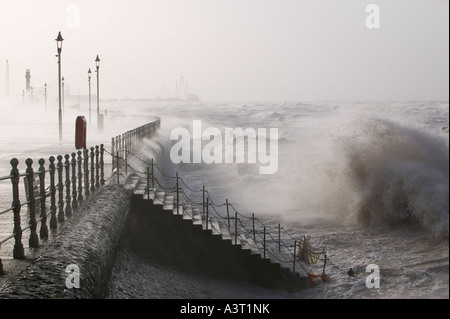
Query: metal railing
x=72 y=179
x=269 y=240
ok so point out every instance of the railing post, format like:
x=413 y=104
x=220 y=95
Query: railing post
x=117 y=143
x=102 y=165
x=60 y=189
x=295 y=253
x=123 y=145
x=112 y=154
x=235 y=227
x=253 y=223
x=80 y=177
x=153 y=177
x=68 y=197
x=207 y=212
x=119 y=147
x=279 y=237
x=92 y=171
x=118 y=175
x=324 y=263
x=178 y=197
x=52 y=170
x=121 y=141
x=228 y=213
x=34 y=240
x=74 y=181
x=43 y=232
x=97 y=167
x=203 y=202
x=126 y=159
x=148 y=182
x=264 y=253
x=130 y=141
x=86 y=173
x=18 y=252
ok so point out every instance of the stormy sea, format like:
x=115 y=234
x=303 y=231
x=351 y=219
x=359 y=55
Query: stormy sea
x=368 y=182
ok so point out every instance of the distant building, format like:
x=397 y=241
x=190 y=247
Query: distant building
x=28 y=80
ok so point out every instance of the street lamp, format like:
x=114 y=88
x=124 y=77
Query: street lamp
x=89 y=80
x=45 y=93
x=62 y=83
x=97 y=66
x=59 y=41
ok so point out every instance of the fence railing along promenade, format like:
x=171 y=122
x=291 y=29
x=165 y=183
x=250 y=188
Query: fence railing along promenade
x=59 y=189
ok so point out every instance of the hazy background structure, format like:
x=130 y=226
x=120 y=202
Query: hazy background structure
x=235 y=50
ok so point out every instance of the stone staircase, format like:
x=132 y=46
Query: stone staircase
x=250 y=244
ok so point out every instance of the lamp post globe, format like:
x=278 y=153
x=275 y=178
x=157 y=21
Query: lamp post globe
x=97 y=66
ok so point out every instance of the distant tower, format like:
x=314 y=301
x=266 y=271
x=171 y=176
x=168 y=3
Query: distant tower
x=7 y=78
x=181 y=86
x=28 y=78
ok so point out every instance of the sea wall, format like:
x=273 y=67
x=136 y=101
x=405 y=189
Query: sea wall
x=89 y=240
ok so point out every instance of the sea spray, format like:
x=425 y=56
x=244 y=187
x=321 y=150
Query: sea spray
x=399 y=173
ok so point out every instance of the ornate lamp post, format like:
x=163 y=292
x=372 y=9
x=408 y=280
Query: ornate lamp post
x=97 y=66
x=59 y=42
x=62 y=83
x=45 y=94
x=89 y=80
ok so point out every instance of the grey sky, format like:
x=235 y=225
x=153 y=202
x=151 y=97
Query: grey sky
x=234 y=49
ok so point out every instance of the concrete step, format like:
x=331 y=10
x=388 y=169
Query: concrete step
x=187 y=211
x=215 y=227
x=256 y=247
x=159 y=198
x=140 y=187
x=150 y=195
x=139 y=192
x=131 y=182
x=244 y=242
x=197 y=216
x=168 y=202
x=209 y=227
x=279 y=257
x=238 y=242
x=224 y=231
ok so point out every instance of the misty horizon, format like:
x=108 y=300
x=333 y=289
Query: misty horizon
x=231 y=51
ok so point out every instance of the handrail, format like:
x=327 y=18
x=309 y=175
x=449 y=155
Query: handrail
x=263 y=233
